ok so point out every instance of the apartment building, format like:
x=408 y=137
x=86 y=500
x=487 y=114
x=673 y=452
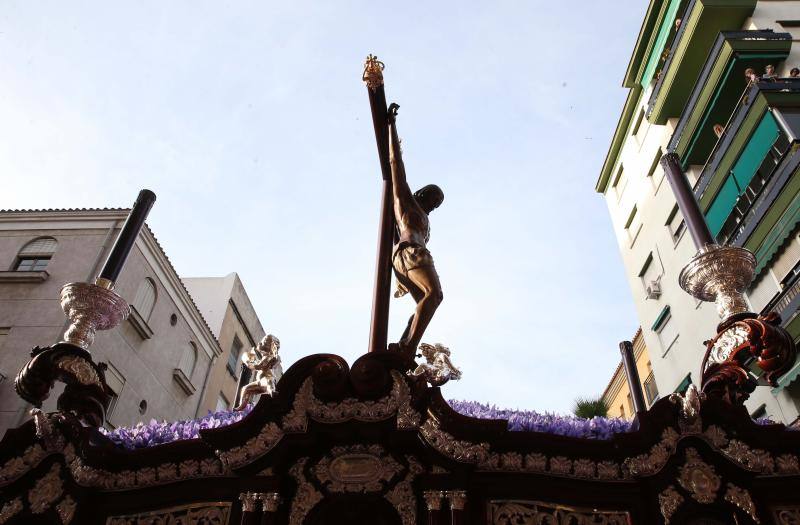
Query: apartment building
x=617 y=394
x=700 y=86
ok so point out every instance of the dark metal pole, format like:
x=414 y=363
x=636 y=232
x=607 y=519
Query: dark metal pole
x=124 y=243
x=695 y=221
x=379 y=324
x=634 y=385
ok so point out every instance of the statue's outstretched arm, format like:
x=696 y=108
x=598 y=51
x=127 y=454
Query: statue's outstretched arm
x=401 y=190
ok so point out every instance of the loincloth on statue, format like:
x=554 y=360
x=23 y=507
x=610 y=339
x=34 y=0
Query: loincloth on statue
x=409 y=257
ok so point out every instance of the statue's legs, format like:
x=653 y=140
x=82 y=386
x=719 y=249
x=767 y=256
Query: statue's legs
x=427 y=292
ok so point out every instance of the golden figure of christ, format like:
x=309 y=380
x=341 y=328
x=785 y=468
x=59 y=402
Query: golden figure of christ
x=411 y=260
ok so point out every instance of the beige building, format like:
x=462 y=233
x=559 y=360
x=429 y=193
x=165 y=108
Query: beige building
x=617 y=394
x=737 y=140
x=159 y=360
x=233 y=320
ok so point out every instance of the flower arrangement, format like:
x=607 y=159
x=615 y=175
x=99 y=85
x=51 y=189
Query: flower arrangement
x=144 y=435
x=530 y=421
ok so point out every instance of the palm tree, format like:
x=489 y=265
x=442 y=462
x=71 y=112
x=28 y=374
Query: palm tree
x=588 y=408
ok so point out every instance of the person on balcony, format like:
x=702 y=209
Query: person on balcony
x=769 y=73
x=794 y=73
x=750 y=75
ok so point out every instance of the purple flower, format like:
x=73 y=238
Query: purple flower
x=144 y=435
x=530 y=421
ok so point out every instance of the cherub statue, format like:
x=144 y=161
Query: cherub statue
x=264 y=359
x=439 y=369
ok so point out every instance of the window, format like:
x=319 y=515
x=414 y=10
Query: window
x=145 y=298
x=34 y=256
x=633 y=225
x=620 y=182
x=666 y=329
x=762 y=292
x=630 y=403
x=675 y=224
x=683 y=386
x=637 y=127
x=116 y=382
x=222 y=402
x=784 y=266
x=188 y=360
x=650 y=272
x=759 y=412
x=233 y=358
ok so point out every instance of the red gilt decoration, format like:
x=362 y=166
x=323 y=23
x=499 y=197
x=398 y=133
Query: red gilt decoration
x=744 y=345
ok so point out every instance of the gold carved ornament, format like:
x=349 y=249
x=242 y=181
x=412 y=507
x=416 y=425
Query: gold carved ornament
x=741 y=498
x=398 y=401
x=698 y=478
x=523 y=512
x=357 y=468
x=373 y=72
x=401 y=496
x=669 y=501
x=80 y=369
x=786 y=515
x=10 y=509
x=46 y=490
x=201 y=513
x=433 y=499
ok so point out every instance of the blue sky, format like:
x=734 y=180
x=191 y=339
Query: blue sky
x=251 y=123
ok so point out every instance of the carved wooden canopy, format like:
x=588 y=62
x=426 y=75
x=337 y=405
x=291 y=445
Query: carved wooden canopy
x=371 y=444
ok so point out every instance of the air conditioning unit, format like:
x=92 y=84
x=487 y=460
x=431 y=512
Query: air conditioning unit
x=654 y=290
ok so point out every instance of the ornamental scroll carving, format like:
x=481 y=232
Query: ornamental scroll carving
x=402 y=495
x=669 y=501
x=305 y=498
x=210 y=513
x=306 y=404
x=741 y=498
x=46 y=490
x=515 y=512
x=786 y=515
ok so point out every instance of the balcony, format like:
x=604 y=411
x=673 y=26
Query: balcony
x=749 y=189
x=720 y=87
x=701 y=22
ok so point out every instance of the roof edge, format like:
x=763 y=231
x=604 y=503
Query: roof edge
x=619 y=136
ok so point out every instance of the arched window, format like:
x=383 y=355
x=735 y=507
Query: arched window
x=145 y=298
x=34 y=256
x=188 y=360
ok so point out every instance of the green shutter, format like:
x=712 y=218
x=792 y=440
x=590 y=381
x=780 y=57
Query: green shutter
x=723 y=205
x=756 y=150
x=667 y=25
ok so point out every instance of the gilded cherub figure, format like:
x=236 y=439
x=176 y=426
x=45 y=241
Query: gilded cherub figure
x=438 y=369
x=264 y=359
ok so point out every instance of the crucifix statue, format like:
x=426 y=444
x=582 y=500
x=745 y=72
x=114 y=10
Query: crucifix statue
x=411 y=260
x=404 y=230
